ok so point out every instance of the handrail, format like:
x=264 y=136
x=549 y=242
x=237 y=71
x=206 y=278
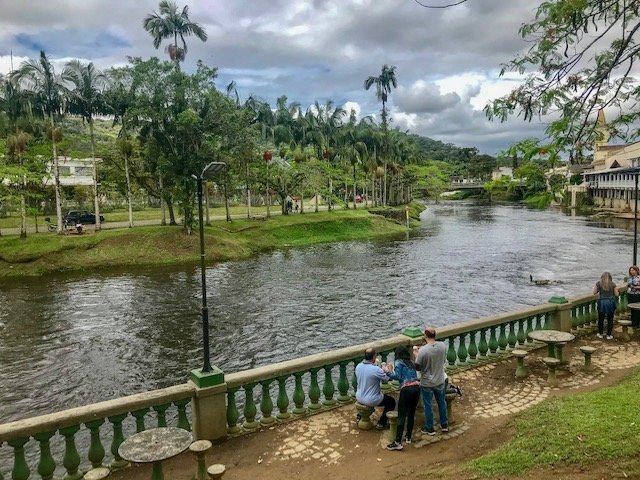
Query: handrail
x=74 y=416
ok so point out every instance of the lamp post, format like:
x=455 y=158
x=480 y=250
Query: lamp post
x=635 y=222
x=208 y=172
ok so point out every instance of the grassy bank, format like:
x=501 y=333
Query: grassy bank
x=594 y=427
x=158 y=246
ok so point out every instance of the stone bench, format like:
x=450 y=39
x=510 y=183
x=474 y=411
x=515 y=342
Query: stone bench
x=587 y=351
x=627 y=329
x=98 y=473
x=200 y=448
x=364 y=414
x=552 y=365
x=521 y=369
x=216 y=471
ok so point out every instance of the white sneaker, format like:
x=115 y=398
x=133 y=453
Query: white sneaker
x=599 y=335
x=609 y=337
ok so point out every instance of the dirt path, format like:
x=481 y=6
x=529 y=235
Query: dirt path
x=330 y=444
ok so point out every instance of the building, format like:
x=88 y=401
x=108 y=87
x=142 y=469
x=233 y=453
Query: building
x=73 y=171
x=500 y=172
x=611 y=178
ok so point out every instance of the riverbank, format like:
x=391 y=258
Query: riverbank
x=169 y=245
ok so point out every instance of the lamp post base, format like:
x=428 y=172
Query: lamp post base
x=207 y=379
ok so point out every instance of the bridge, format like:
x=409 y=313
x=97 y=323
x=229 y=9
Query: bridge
x=466 y=186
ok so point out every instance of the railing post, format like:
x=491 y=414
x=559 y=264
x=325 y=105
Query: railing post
x=96 y=450
x=283 y=399
x=298 y=395
x=343 y=383
x=209 y=411
x=183 y=421
x=561 y=317
x=266 y=404
x=232 y=411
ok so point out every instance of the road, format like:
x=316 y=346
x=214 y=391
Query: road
x=140 y=223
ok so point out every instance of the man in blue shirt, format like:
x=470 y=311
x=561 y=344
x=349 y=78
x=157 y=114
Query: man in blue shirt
x=368 y=393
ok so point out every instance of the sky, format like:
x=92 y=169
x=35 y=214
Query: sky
x=447 y=60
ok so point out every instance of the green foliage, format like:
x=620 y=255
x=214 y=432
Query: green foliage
x=582 y=53
x=502 y=188
x=599 y=425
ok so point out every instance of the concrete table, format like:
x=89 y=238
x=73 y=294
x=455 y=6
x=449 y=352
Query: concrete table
x=154 y=446
x=551 y=337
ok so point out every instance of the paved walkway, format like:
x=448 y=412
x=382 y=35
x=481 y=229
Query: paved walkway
x=491 y=391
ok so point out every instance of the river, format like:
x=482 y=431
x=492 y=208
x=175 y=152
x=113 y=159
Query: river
x=69 y=340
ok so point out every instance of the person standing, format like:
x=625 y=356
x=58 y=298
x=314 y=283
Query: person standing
x=368 y=376
x=404 y=372
x=607 y=293
x=633 y=294
x=431 y=362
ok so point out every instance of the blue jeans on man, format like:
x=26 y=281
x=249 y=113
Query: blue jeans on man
x=427 y=394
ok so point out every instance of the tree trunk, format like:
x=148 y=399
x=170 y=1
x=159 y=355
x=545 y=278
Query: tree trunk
x=246 y=180
x=129 y=200
x=172 y=217
x=268 y=194
x=95 y=174
x=162 y=202
x=354 y=186
x=56 y=174
x=23 y=203
x=317 y=201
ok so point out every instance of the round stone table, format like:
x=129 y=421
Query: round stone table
x=551 y=337
x=154 y=446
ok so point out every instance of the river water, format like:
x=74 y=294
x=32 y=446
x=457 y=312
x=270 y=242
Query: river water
x=70 y=340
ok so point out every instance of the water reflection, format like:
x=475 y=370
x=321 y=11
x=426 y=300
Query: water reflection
x=72 y=340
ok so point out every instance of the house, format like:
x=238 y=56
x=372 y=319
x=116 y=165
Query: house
x=611 y=178
x=73 y=171
x=500 y=172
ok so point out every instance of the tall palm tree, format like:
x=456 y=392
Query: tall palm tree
x=86 y=100
x=170 y=23
x=40 y=78
x=384 y=84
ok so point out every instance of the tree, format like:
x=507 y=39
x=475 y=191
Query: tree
x=39 y=77
x=583 y=53
x=170 y=23
x=384 y=83
x=85 y=99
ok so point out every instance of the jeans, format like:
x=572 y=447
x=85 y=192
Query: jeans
x=407 y=404
x=389 y=403
x=427 y=394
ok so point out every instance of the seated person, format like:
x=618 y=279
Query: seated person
x=368 y=393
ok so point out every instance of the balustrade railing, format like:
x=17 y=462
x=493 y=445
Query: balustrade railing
x=105 y=421
x=265 y=395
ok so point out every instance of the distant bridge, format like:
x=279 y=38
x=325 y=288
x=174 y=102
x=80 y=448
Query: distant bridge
x=466 y=186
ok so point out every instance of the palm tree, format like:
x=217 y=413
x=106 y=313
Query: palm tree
x=39 y=77
x=384 y=83
x=170 y=23
x=86 y=101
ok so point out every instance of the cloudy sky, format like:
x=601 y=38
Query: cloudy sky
x=447 y=60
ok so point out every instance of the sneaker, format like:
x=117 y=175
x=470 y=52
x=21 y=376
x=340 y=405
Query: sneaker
x=382 y=426
x=599 y=335
x=394 y=446
x=431 y=432
x=358 y=417
x=609 y=337
x=407 y=440
x=445 y=429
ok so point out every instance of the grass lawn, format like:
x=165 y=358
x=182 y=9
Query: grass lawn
x=167 y=245
x=585 y=428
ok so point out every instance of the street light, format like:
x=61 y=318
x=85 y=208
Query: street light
x=635 y=222
x=208 y=172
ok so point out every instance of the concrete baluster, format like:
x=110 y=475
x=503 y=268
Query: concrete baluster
x=183 y=420
x=298 y=395
x=71 y=460
x=343 y=383
x=161 y=412
x=232 y=412
x=250 y=410
x=283 y=398
x=483 y=346
x=96 y=450
x=493 y=342
x=46 y=464
x=314 y=390
x=473 y=349
x=502 y=339
x=20 y=469
x=118 y=438
x=139 y=416
x=266 y=404
x=328 y=389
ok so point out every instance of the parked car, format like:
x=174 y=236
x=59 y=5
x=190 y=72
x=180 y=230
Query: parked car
x=80 y=216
